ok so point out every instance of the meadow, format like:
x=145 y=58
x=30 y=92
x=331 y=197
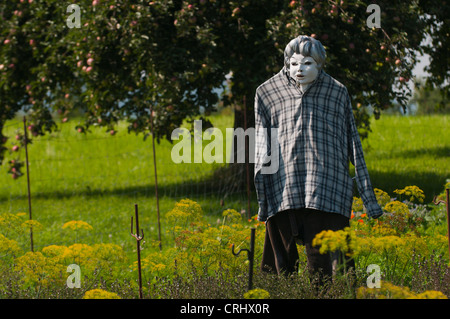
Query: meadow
x=84 y=188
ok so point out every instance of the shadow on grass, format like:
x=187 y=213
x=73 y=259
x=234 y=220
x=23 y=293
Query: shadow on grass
x=431 y=183
x=231 y=183
x=434 y=152
x=225 y=183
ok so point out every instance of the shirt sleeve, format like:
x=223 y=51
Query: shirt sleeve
x=262 y=126
x=356 y=157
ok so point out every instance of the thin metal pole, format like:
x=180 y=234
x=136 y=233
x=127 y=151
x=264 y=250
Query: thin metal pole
x=138 y=246
x=447 y=203
x=247 y=161
x=28 y=180
x=250 y=255
x=156 y=179
x=251 y=258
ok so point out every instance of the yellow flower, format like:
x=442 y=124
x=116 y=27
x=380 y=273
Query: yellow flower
x=357 y=205
x=430 y=294
x=390 y=291
x=257 y=294
x=387 y=242
x=185 y=210
x=79 y=253
x=397 y=207
x=107 y=255
x=36 y=269
x=231 y=215
x=386 y=291
x=54 y=251
x=330 y=241
x=77 y=224
x=8 y=246
x=413 y=192
x=382 y=230
x=11 y=222
x=382 y=197
x=33 y=224
x=100 y=294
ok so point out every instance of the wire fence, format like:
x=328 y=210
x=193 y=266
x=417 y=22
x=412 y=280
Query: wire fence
x=80 y=168
x=66 y=165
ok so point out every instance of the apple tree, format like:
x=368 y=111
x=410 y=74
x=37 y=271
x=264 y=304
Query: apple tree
x=157 y=63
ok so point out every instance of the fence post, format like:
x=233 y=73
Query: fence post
x=250 y=256
x=138 y=246
x=447 y=203
x=156 y=178
x=28 y=180
x=247 y=159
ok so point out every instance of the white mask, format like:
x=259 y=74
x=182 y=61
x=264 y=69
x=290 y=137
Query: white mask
x=303 y=69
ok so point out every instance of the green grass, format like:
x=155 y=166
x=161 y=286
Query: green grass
x=98 y=178
x=413 y=150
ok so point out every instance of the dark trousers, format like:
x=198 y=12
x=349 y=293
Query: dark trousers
x=280 y=253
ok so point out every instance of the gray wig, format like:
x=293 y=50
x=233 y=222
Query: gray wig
x=306 y=46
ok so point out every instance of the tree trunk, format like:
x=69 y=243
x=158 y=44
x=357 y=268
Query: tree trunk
x=244 y=118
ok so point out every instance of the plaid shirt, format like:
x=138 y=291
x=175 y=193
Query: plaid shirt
x=313 y=135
